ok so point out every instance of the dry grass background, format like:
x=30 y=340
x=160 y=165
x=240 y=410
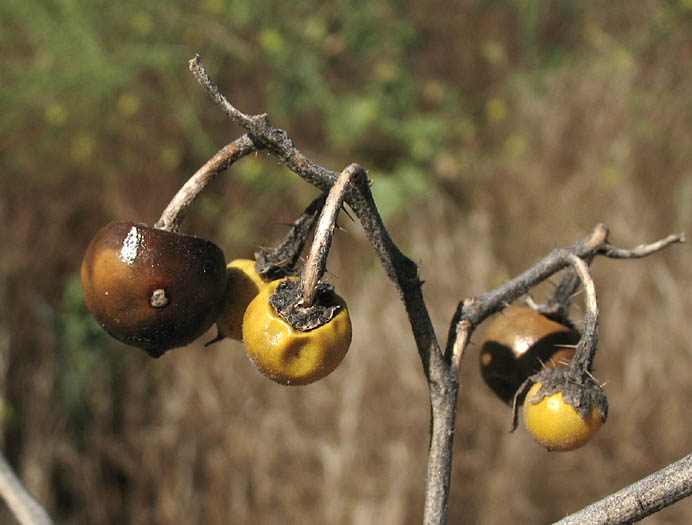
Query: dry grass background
x=199 y=437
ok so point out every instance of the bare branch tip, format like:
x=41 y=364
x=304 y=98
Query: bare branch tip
x=599 y=236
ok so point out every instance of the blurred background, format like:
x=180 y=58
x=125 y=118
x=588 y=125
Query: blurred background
x=493 y=131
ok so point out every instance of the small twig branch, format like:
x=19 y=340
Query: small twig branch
x=173 y=215
x=461 y=341
x=25 y=508
x=476 y=310
x=588 y=343
x=642 y=250
x=237 y=116
x=641 y=499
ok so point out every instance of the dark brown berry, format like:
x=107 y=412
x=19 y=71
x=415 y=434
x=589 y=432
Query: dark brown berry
x=518 y=343
x=153 y=288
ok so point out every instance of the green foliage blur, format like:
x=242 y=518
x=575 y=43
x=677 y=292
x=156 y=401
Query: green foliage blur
x=100 y=88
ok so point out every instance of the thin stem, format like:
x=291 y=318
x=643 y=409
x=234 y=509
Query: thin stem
x=641 y=499
x=25 y=508
x=586 y=348
x=642 y=250
x=240 y=118
x=324 y=233
x=175 y=212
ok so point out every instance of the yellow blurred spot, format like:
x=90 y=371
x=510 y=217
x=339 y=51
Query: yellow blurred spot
x=128 y=104
x=170 y=157
x=213 y=7
x=82 y=148
x=421 y=149
x=623 y=59
x=386 y=71
x=496 y=109
x=55 y=114
x=685 y=4
x=499 y=280
x=6 y=411
x=142 y=23
x=493 y=52
x=594 y=35
x=315 y=30
x=612 y=175
x=250 y=170
x=271 y=41
x=515 y=146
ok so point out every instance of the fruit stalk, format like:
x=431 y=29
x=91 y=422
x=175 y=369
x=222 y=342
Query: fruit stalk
x=324 y=233
x=173 y=215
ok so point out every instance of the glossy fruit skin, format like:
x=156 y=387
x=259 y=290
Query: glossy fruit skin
x=126 y=262
x=286 y=355
x=517 y=344
x=556 y=425
x=242 y=286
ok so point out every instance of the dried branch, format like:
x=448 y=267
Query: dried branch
x=25 y=508
x=400 y=269
x=641 y=499
x=441 y=370
x=476 y=310
x=642 y=250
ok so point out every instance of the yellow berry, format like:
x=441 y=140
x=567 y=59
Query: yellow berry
x=289 y=356
x=242 y=286
x=556 y=425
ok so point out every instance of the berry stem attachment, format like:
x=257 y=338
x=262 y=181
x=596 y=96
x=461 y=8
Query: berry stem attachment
x=324 y=233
